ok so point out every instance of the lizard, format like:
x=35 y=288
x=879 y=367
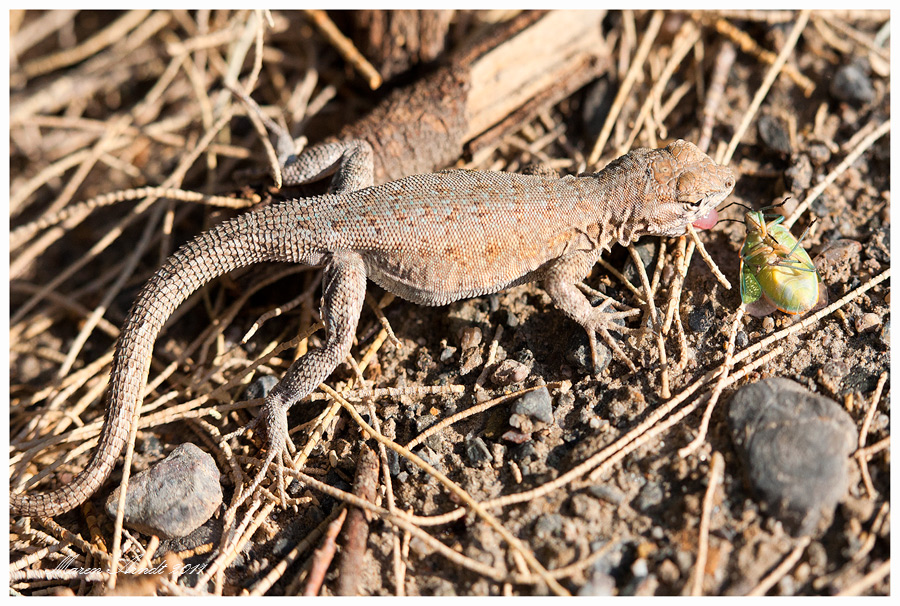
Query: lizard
x=430 y=238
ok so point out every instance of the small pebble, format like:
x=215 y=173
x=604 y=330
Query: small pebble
x=799 y=174
x=768 y=324
x=774 y=133
x=548 y=525
x=478 y=452
x=516 y=437
x=837 y=260
x=885 y=334
x=174 y=497
x=509 y=319
x=535 y=404
x=701 y=318
x=794 y=446
x=647 y=251
x=470 y=360
x=393 y=463
x=608 y=493
x=447 y=354
x=469 y=337
x=879 y=245
x=423 y=422
x=260 y=387
x=819 y=153
x=579 y=355
x=852 y=85
x=867 y=321
x=650 y=496
x=639 y=568
x=509 y=371
x=741 y=339
x=600 y=584
x=521 y=422
x=668 y=572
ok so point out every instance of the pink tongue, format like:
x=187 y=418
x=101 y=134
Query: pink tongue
x=708 y=221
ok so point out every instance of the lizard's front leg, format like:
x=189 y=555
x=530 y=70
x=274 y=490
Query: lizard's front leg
x=351 y=162
x=342 y=299
x=559 y=280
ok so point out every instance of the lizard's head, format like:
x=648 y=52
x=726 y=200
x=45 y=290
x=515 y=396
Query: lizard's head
x=684 y=186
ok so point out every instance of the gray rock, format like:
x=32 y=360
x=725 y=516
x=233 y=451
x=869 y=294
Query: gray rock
x=879 y=245
x=260 y=387
x=600 y=584
x=478 y=452
x=701 y=318
x=508 y=372
x=647 y=251
x=774 y=133
x=608 y=493
x=852 y=84
x=535 y=404
x=838 y=260
x=174 y=497
x=548 y=525
x=794 y=446
x=650 y=496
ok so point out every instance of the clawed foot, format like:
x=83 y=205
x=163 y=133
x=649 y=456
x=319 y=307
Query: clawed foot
x=602 y=322
x=273 y=417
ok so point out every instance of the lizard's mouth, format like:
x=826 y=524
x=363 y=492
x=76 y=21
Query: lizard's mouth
x=707 y=221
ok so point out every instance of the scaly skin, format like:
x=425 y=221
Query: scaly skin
x=431 y=239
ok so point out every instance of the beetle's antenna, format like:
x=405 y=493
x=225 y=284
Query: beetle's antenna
x=742 y=205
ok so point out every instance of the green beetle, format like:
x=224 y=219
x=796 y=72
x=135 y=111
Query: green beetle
x=775 y=265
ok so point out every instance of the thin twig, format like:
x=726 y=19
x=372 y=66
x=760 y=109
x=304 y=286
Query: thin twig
x=716 y=473
x=767 y=82
x=782 y=569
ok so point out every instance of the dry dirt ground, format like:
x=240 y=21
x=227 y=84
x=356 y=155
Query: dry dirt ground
x=80 y=129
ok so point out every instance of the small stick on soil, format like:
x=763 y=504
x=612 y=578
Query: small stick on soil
x=865 y=583
x=323 y=556
x=664 y=392
x=720 y=385
x=290 y=557
x=767 y=82
x=357 y=532
x=715 y=91
x=782 y=569
x=474 y=410
x=864 y=432
x=625 y=88
x=345 y=47
x=712 y=264
x=716 y=472
x=875 y=448
x=838 y=171
x=616 y=273
x=749 y=45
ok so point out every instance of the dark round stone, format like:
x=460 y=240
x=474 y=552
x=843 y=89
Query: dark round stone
x=852 y=85
x=701 y=318
x=794 y=446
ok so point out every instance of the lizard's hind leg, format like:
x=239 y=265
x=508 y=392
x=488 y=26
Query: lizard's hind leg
x=342 y=299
